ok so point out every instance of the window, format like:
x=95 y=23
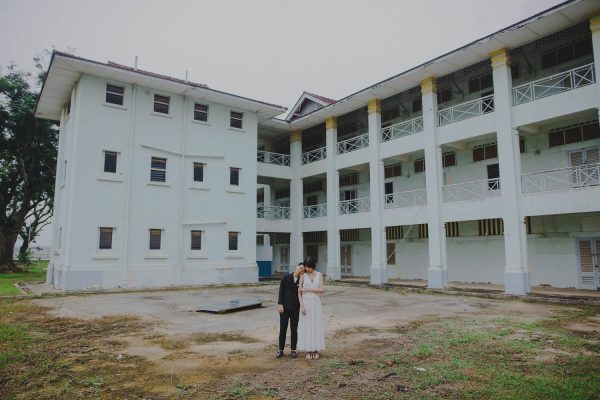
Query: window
x=522 y=148
x=395 y=232
x=234 y=176
x=312 y=251
x=574 y=133
x=105 y=242
x=349 y=235
x=485 y=151
x=311 y=200
x=312 y=187
x=448 y=159
x=348 y=179
x=480 y=83
x=423 y=232
x=199 y=172
x=235 y=119
x=200 y=112
x=391 y=171
x=515 y=71
x=444 y=95
x=315 y=237
x=390 y=250
x=110 y=161
x=158 y=169
x=260 y=196
x=417 y=105
x=155 y=235
x=161 y=104
x=491 y=227
x=390 y=114
x=389 y=188
x=260 y=240
x=419 y=165
x=493 y=173
x=196 y=240
x=567 y=53
x=233 y=240
x=114 y=94
x=452 y=229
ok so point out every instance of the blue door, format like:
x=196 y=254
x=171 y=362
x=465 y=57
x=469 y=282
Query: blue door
x=265 y=269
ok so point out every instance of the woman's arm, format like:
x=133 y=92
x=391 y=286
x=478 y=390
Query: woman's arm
x=321 y=287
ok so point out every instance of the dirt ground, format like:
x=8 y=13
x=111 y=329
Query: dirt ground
x=182 y=353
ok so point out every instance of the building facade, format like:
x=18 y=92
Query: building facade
x=482 y=165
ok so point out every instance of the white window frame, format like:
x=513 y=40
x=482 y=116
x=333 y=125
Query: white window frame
x=116 y=94
x=112 y=238
x=239 y=183
x=168 y=104
x=202 y=253
x=232 y=118
x=117 y=164
x=206 y=113
x=160 y=183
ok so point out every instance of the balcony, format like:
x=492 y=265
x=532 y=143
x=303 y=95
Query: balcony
x=475 y=190
x=268 y=157
x=355 y=206
x=554 y=84
x=561 y=179
x=470 y=109
x=404 y=128
x=410 y=198
x=354 y=143
x=273 y=212
x=314 y=155
x=315 y=211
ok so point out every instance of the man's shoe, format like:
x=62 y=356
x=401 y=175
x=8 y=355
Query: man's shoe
x=293 y=354
x=279 y=354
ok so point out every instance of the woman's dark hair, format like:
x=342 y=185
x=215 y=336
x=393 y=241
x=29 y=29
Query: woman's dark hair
x=310 y=262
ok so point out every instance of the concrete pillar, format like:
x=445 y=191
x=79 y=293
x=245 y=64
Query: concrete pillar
x=296 y=243
x=516 y=274
x=378 y=264
x=437 y=273
x=595 y=28
x=333 y=265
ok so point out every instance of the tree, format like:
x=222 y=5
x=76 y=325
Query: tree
x=39 y=216
x=28 y=149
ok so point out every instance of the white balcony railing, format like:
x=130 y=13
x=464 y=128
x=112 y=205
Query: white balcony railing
x=268 y=157
x=561 y=179
x=475 y=190
x=466 y=110
x=314 y=155
x=272 y=212
x=355 y=143
x=318 y=210
x=402 y=129
x=409 y=198
x=355 y=206
x=554 y=84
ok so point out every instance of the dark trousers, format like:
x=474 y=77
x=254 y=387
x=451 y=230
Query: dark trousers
x=291 y=315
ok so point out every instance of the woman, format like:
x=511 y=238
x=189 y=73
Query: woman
x=311 y=333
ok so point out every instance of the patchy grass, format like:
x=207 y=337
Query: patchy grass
x=206 y=338
x=35 y=272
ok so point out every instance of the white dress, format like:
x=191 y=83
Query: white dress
x=311 y=332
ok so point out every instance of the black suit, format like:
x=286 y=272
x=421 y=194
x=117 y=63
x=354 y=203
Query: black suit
x=288 y=297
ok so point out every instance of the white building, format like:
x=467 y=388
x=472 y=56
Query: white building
x=481 y=165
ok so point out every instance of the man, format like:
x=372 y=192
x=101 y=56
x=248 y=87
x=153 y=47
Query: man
x=288 y=307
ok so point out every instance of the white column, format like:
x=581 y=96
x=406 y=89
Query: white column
x=437 y=274
x=296 y=243
x=378 y=264
x=333 y=247
x=595 y=28
x=516 y=275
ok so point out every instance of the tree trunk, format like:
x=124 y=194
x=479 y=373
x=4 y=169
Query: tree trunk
x=7 y=246
x=24 y=247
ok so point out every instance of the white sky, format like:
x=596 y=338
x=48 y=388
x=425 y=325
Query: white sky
x=269 y=50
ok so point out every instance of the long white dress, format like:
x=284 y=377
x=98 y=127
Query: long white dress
x=311 y=332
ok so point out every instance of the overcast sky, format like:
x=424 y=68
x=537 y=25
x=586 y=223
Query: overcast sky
x=269 y=50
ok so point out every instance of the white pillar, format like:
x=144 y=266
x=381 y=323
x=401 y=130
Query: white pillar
x=516 y=274
x=296 y=243
x=437 y=274
x=595 y=28
x=378 y=264
x=333 y=247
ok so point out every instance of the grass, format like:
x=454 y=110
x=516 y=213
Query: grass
x=35 y=272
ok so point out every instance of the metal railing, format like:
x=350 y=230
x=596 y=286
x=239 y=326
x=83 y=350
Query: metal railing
x=268 y=157
x=408 y=198
x=561 y=179
x=318 y=210
x=474 y=190
x=272 y=212
x=314 y=155
x=355 y=205
x=354 y=143
x=554 y=84
x=404 y=128
x=466 y=110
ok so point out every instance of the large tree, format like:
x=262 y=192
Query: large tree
x=28 y=148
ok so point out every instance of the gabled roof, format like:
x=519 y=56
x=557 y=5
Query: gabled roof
x=65 y=70
x=307 y=103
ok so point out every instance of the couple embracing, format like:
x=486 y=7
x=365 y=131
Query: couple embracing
x=300 y=305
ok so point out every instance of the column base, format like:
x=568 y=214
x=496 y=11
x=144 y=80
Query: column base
x=516 y=282
x=378 y=275
x=437 y=278
x=334 y=272
x=50 y=274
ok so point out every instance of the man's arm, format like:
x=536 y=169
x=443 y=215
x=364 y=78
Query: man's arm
x=281 y=289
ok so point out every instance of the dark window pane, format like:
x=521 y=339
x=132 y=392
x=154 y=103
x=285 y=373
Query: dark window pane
x=417 y=105
x=556 y=138
x=573 y=135
x=478 y=154
x=582 y=48
x=449 y=159
x=486 y=81
x=158 y=162
x=105 y=239
x=591 y=131
x=234 y=176
x=155 y=239
x=521 y=144
x=515 y=71
x=474 y=85
x=235 y=119
x=493 y=171
x=110 y=161
x=114 y=94
x=161 y=104
x=420 y=165
x=389 y=187
x=157 y=176
x=444 y=95
x=549 y=59
x=491 y=151
x=200 y=112
x=198 y=172
x=233 y=240
x=196 y=240
x=564 y=54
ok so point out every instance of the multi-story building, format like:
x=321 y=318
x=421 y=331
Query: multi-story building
x=481 y=165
